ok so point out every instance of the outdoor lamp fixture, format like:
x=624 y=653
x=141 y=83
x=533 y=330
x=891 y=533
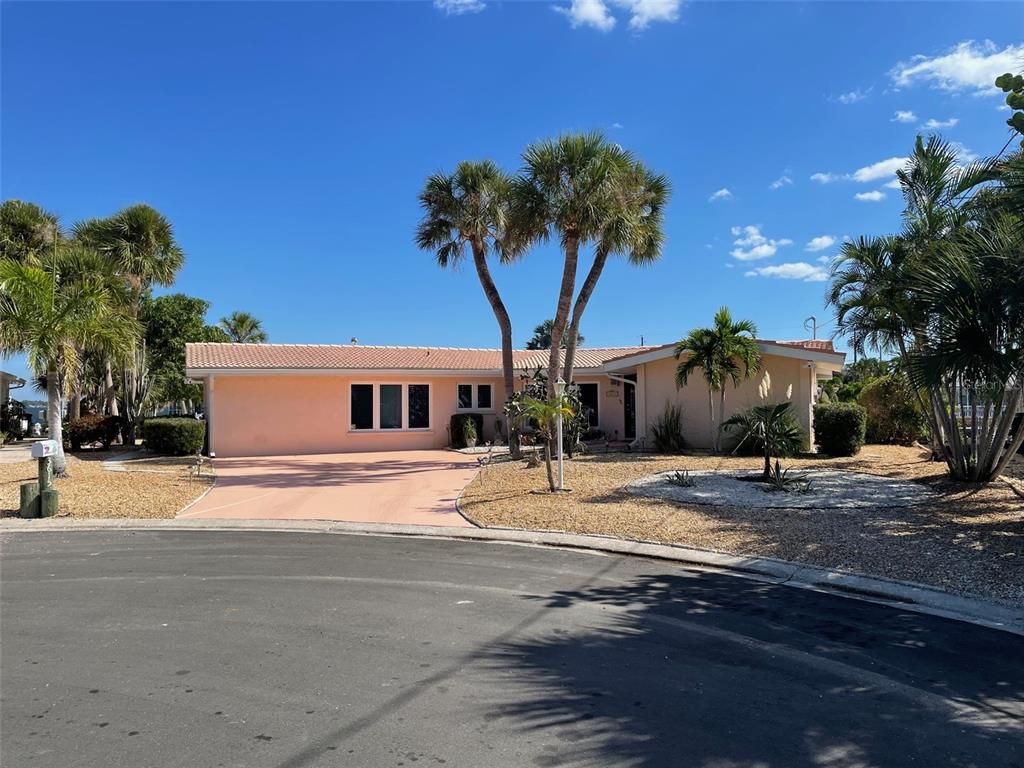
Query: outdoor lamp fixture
x=559 y=393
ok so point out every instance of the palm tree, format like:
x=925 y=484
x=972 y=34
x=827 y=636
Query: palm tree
x=469 y=208
x=26 y=230
x=50 y=313
x=769 y=428
x=634 y=228
x=243 y=328
x=139 y=242
x=565 y=190
x=726 y=351
x=545 y=413
x=541 y=338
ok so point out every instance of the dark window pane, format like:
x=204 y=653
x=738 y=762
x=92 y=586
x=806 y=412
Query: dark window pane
x=419 y=406
x=588 y=396
x=465 y=395
x=390 y=406
x=483 y=396
x=362 y=406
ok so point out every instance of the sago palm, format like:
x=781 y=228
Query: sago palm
x=727 y=351
x=468 y=210
x=633 y=228
x=51 y=314
x=243 y=328
x=565 y=191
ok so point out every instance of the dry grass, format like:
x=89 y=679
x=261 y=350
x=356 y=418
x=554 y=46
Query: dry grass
x=970 y=540
x=89 y=490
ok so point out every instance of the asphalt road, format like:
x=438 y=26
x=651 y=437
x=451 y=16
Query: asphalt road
x=153 y=649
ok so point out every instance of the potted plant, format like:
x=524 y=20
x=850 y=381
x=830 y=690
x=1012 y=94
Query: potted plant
x=469 y=435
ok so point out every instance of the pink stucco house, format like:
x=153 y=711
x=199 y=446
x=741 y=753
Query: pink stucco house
x=267 y=399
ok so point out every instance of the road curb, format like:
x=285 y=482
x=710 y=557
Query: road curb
x=902 y=594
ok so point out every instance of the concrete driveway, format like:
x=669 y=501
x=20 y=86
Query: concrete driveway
x=412 y=487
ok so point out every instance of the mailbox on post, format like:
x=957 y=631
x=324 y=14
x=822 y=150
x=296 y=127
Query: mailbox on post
x=40 y=499
x=44 y=448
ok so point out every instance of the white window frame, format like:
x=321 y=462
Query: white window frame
x=405 y=408
x=474 y=388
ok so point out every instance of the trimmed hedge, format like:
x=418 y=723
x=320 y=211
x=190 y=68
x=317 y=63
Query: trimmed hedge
x=839 y=428
x=457 y=428
x=175 y=436
x=92 y=428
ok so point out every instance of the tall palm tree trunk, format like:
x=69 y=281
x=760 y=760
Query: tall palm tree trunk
x=54 y=419
x=711 y=416
x=573 y=331
x=568 y=287
x=483 y=273
x=721 y=420
x=110 y=393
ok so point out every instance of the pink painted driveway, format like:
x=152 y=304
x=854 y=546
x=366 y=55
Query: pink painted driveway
x=412 y=487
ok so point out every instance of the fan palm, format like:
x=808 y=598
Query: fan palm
x=771 y=429
x=633 y=228
x=726 y=351
x=243 y=328
x=565 y=190
x=541 y=338
x=139 y=242
x=545 y=414
x=26 y=230
x=468 y=209
x=51 y=312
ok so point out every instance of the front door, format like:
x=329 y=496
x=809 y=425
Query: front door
x=629 y=404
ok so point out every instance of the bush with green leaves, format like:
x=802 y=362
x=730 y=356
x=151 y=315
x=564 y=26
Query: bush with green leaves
x=175 y=436
x=92 y=428
x=839 y=428
x=667 y=430
x=894 y=413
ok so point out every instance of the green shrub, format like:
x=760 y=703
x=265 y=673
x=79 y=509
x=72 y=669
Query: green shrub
x=464 y=427
x=667 y=430
x=92 y=428
x=175 y=436
x=839 y=428
x=894 y=412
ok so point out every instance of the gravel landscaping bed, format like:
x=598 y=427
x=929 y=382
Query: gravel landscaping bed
x=90 y=490
x=836 y=488
x=967 y=539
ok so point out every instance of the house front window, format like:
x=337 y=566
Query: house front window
x=389 y=407
x=474 y=397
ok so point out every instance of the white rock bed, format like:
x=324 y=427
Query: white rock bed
x=829 y=488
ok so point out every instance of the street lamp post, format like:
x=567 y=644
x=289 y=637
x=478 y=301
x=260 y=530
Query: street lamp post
x=560 y=392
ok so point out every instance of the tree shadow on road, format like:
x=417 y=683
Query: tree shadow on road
x=707 y=670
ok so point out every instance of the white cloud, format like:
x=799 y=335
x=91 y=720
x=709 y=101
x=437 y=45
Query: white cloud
x=820 y=243
x=894 y=184
x=879 y=170
x=824 y=178
x=597 y=14
x=722 y=194
x=643 y=12
x=824 y=259
x=459 y=7
x=792 y=270
x=779 y=183
x=616 y=125
x=753 y=245
x=904 y=116
x=934 y=125
x=966 y=66
x=588 y=13
x=870 y=197
x=963 y=154
x=852 y=97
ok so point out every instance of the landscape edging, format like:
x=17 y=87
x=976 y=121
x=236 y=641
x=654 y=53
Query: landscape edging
x=907 y=595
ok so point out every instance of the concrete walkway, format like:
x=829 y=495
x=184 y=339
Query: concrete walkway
x=405 y=487
x=15 y=453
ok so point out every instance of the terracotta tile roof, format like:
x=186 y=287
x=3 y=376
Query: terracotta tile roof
x=200 y=356
x=821 y=345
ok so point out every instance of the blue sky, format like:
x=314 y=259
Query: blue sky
x=287 y=142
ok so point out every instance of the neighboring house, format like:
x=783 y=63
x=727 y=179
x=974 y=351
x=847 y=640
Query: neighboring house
x=280 y=399
x=9 y=381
